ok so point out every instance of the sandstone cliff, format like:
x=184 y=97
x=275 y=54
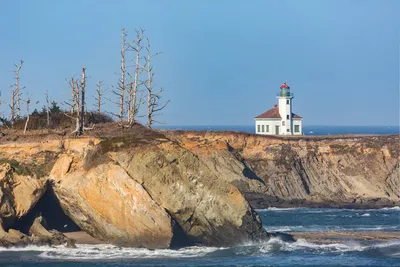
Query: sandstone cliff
x=323 y=171
x=168 y=189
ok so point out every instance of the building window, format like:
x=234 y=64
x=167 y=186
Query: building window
x=287 y=116
x=258 y=128
x=267 y=130
x=262 y=128
x=297 y=128
x=287 y=130
x=287 y=102
x=283 y=123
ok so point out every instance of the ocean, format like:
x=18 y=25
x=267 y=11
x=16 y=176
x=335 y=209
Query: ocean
x=307 y=130
x=270 y=253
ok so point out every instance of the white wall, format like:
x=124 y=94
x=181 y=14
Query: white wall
x=277 y=122
x=298 y=121
x=271 y=122
x=284 y=110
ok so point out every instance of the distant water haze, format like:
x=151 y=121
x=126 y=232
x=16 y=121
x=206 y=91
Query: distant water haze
x=308 y=130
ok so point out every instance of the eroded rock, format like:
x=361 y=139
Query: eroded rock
x=108 y=204
x=18 y=194
x=210 y=210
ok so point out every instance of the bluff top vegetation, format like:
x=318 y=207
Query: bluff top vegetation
x=134 y=88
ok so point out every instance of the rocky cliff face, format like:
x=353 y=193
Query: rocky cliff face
x=179 y=188
x=333 y=171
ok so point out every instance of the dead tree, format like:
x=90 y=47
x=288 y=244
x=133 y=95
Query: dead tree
x=16 y=95
x=18 y=88
x=120 y=92
x=28 y=102
x=154 y=104
x=100 y=92
x=47 y=108
x=80 y=114
x=12 y=107
x=133 y=104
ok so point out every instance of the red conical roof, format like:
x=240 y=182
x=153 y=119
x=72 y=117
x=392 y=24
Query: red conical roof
x=284 y=85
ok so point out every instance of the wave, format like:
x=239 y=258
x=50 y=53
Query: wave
x=327 y=210
x=392 y=208
x=274 y=245
x=324 y=228
x=278 y=209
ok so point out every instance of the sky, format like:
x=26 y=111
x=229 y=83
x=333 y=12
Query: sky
x=223 y=61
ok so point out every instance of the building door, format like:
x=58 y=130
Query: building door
x=277 y=129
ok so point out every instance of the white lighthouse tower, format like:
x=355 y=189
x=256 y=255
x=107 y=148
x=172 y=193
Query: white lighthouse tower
x=285 y=109
x=280 y=120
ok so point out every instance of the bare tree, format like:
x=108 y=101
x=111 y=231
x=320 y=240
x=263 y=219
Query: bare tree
x=16 y=95
x=47 y=108
x=100 y=91
x=28 y=102
x=133 y=104
x=80 y=114
x=154 y=104
x=12 y=107
x=120 y=92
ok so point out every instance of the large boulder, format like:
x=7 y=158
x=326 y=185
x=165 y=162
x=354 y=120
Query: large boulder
x=18 y=194
x=13 y=237
x=108 y=204
x=211 y=211
x=42 y=236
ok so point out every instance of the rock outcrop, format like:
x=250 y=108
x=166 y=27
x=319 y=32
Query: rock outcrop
x=356 y=171
x=210 y=210
x=18 y=194
x=160 y=191
x=108 y=204
x=40 y=235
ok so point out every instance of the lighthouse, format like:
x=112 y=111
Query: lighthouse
x=285 y=108
x=280 y=120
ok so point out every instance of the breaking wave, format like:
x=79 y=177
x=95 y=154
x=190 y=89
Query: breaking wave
x=274 y=245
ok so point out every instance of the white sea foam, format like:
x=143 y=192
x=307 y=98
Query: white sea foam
x=91 y=252
x=275 y=243
x=113 y=252
x=365 y=215
x=105 y=252
x=284 y=228
x=278 y=209
x=392 y=208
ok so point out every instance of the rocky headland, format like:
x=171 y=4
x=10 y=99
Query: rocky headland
x=166 y=189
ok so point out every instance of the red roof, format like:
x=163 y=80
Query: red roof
x=273 y=113
x=296 y=116
x=284 y=85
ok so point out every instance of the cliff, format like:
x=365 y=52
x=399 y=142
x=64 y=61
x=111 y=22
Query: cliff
x=341 y=171
x=169 y=189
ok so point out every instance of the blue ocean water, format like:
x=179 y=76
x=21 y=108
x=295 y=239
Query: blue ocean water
x=270 y=253
x=308 y=130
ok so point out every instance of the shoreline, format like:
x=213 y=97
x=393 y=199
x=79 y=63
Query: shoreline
x=260 y=201
x=343 y=237
x=323 y=237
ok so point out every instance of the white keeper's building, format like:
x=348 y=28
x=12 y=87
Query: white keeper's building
x=280 y=120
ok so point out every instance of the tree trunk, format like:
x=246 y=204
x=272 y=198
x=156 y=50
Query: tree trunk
x=82 y=112
x=122 y=83
x=98 y=97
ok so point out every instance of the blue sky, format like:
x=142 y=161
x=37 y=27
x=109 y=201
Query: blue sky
x=222 y=61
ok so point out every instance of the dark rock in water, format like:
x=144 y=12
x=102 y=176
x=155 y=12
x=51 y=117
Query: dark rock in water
x=13 y=238
x=71 y=243
x=41 y=236
x=283 y=236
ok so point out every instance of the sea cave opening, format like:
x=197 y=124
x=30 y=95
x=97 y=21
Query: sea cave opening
x=50 y=209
